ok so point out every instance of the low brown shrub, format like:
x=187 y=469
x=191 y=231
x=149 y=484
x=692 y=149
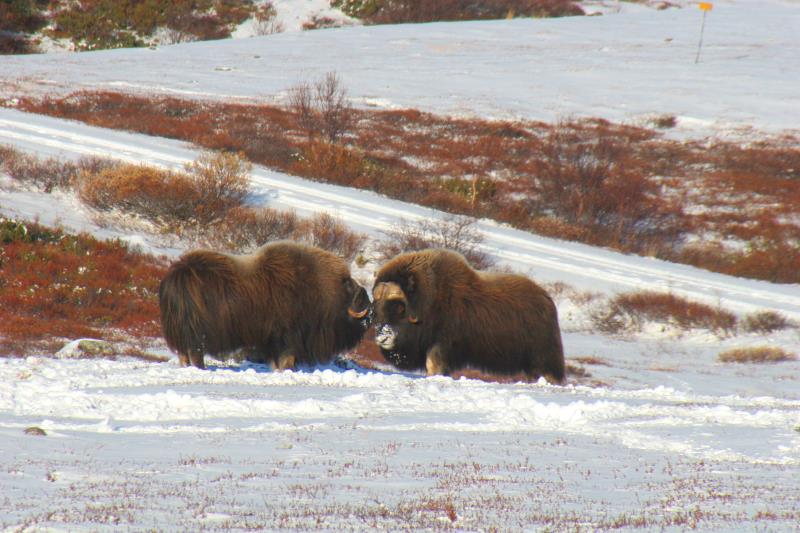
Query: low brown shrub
x=265 y=22
x=211 y=185
x=44 y=174
x=320 y=22
x=11 y=44
x=221 y=180
x=764 y=322
x=155 y=194
x=665 y=121
x=629 y=311
x=325 y=161
x=243 y=229
x=456 y=233
x=333 y=235
x=775 y=261
x=756 y=354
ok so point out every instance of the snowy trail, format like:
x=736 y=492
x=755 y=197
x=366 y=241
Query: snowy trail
x=547 y=259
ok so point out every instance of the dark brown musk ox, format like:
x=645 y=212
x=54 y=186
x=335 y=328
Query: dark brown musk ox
x=433 y=311
x=285 y=304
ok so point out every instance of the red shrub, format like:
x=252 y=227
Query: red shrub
x=59 y=285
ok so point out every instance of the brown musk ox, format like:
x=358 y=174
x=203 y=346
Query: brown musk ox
x=284 y=304
x=433 y=311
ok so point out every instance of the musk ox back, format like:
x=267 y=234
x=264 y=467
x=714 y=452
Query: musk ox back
x=285 y=304
x=432 y=311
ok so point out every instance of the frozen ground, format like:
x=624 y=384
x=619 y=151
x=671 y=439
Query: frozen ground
x=669 y=438
x=141 y=445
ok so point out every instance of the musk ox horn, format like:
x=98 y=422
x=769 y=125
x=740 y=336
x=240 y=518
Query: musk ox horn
x=357 y=314
x=388 y=291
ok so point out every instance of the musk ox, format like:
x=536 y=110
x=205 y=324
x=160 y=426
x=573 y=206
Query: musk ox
x=432 y=311
x=285 y=304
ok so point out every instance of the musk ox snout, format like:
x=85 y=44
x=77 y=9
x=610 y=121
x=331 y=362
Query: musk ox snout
x=386 y=336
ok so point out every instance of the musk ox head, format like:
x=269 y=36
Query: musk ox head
x=400 y=299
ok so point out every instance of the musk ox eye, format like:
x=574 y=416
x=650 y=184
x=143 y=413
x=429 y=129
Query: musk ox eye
x=398 y=308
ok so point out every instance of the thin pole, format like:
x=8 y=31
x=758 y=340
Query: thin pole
x=700 y=44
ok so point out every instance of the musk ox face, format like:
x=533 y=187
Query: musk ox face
x=396 y=326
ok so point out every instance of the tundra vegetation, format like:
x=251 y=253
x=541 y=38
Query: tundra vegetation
x=403 y=11
x=103 y=24
x=55 y=285
x=187 y=205
x=718 y=205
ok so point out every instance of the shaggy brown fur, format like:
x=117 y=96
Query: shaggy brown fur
x=433 y=311
x=285 y=304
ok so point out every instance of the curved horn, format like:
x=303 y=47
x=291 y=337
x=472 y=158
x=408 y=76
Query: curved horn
x=414 y=319
x=389 y=291
x=357 y=314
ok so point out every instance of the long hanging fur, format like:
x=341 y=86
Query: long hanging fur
x=447 y=316
x=285 y=300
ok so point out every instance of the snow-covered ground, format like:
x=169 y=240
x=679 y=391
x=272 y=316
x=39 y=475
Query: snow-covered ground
x=673 y=439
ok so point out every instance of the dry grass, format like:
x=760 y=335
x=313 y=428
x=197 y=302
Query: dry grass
x=630 y=312
x=756 y=354
x=44 y=174
x=764 y=322
x=600 y=183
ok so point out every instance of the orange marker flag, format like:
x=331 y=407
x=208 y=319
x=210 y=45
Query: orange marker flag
x=705 y=7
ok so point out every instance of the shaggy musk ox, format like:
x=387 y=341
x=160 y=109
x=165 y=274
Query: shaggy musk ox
x=285 y=304
x=432 y=311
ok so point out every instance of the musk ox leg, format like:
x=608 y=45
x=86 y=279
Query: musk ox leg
x=197 y=359
x=435 y=362
x=286 y=361
x=184 y=359
x=549 y=377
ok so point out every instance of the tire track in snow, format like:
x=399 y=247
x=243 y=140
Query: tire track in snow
x=371 y=212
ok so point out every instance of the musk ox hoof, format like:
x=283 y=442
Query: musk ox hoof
x=386 y=337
